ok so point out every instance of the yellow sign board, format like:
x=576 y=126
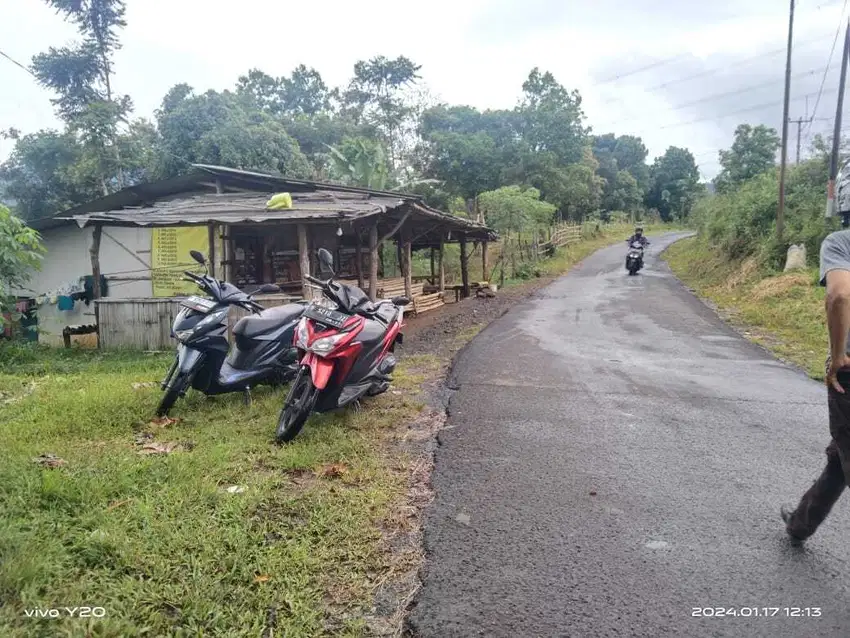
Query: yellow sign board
x=170 y=257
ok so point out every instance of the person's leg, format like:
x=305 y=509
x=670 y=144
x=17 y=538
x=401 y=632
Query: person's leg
x=818 y=501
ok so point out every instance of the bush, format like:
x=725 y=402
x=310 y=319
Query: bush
x=742 y=223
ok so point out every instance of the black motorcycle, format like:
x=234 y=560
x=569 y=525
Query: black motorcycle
x=263 y=351
x=634 y=258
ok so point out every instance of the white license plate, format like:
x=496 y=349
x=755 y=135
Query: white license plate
x=198 y=304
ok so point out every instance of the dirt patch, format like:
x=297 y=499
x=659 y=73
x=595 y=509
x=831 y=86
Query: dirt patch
x=777 y=286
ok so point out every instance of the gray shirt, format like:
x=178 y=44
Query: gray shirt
x=835 y=255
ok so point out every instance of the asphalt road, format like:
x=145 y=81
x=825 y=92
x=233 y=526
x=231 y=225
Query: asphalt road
x=615 y=457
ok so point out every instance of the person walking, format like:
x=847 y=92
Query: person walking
x=815 y=505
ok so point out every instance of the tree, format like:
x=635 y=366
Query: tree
x=304 y=92
x=360 y=162
x=41 y=177
x=674 y=184
x=219 y=128
x=20 y=253
x=550 y=119
x=615 y=155
x=753 y=152
x=625 y=193
x=469 y=151
x=81 y=76
x=376 y=96
x=511 y=209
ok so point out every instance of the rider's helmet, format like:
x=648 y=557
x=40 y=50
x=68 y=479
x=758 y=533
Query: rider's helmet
x=638 y=231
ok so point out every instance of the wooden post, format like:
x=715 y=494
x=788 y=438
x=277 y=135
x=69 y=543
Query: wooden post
x=442 y=266
x=373 y=262
x=464 y=266
x=484 y=269
x=358 y=260
x=404 y=240
x=398 y=254
x=94 y=252
x=304 y=260
x=228 y=252
x=433 y=266
x=211 y=242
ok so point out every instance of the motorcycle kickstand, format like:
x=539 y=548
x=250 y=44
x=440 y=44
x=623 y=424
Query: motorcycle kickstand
x=247 y=396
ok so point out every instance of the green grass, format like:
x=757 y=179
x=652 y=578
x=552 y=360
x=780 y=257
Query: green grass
x=158 y=541
x=783 y=312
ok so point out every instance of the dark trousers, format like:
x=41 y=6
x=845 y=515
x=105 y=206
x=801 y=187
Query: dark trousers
x=818 y=501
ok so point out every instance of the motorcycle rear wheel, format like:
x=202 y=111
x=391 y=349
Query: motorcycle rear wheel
x=297 y=408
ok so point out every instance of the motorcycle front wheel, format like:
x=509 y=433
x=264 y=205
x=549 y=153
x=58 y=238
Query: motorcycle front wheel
x=297 y=408
x=169 y=398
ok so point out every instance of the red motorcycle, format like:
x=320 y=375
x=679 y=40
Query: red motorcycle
x=346 y=345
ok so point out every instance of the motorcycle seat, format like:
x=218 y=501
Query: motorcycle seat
x=267 y=320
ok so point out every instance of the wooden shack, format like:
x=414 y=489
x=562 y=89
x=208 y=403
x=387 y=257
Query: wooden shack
x=248 y=244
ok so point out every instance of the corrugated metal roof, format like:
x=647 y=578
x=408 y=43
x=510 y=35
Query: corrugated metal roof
x=238 y=208
x=159 y=203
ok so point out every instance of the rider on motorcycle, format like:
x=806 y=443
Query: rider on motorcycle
x=638 y=237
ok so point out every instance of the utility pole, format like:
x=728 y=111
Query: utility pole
x=836 y=135
x=780 y=212
x=799 y=122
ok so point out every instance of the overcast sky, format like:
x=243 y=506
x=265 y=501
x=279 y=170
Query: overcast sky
x=710 y=61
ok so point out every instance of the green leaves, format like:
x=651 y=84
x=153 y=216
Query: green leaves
x=753 y=152
x=675 y=184
x=20 y=253
x=515 y=208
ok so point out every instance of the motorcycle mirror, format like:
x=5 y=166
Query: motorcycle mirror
x=199 y=257
x=326 y=261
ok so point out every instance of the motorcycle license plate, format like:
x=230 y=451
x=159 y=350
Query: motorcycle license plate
x=326 y=316
x=198 y=304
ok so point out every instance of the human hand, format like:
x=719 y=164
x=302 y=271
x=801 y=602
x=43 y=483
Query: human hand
x=836 y=364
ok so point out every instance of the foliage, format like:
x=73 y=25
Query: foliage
x=620 y=158
x=361 y=162
x=514 y=208
x=674 y=185
x=376 y=96
x=753 y=152
x=218 y=128
x=742 y=222
x=304 y=92
x=20 y=253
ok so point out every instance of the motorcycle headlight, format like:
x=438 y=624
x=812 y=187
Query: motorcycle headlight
x=326 y=344
x=183 y=335
x=213 y=318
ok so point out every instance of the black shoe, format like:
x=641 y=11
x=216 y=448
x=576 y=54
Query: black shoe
x=786 y=512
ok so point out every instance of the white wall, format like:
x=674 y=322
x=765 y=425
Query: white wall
x=68 y=259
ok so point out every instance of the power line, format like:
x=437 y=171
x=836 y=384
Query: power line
x=653 y=65
x=745 y=110
x=745 y=89
x=828 y=62
x=16 y=63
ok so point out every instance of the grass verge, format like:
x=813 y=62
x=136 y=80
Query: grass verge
x=782 y=312
x=227 y=534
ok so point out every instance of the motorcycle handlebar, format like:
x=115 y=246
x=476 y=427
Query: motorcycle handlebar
x=315 y=281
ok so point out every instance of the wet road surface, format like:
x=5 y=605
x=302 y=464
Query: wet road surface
x=615 y=457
